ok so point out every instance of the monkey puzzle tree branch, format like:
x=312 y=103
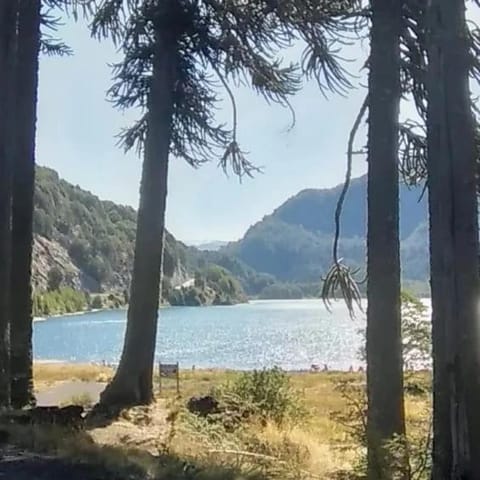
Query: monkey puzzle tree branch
x=348 y=176
x=340 y=276
x=240 y=42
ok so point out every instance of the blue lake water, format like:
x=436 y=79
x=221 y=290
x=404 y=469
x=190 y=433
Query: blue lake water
x=289 y=334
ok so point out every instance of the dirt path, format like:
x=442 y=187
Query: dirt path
x=63 y=392
x=141 y=428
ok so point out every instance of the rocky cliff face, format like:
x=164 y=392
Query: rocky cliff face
x=49 y=255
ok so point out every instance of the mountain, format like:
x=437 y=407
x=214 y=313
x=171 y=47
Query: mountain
x=86 y=243
x=294 y=243
x=213 y=246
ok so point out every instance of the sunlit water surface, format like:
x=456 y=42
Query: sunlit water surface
x=292 y=334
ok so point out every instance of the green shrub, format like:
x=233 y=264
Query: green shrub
x=55 y=278
x=416 y=334
x=97 y=302
x=57 y=302
x=270 y=394
x=394 y=453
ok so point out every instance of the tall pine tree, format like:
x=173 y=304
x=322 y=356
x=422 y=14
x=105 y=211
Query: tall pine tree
x=179 y=57
x=8 y=15
x=453 y=244
x=26 y=86
x=386 y=413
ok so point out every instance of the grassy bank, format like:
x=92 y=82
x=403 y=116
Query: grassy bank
x=65 y=300
x=324 y=442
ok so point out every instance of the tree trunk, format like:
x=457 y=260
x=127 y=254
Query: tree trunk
x=133 y=381
x=453 y=246
x=7 y=54
x=22 y=208
x=386 y=416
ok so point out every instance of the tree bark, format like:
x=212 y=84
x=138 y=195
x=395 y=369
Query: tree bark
x=453 y=246
x=28 y=51
x=7 y=53
x=386 y=416
x=133 y=381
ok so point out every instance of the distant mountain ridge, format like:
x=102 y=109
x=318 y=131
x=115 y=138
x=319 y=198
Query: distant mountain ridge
x=87 y=243
x=294 y=243
x=212 y=246
x=313 y=209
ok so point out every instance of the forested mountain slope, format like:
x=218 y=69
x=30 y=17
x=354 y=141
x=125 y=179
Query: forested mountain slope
x=294 y=243
x=88 y=241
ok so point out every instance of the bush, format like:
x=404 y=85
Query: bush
x=415 y=446
x=97 y=302
x=54 y=278
x=56 y=302
x=270 y=395
x=416 y=334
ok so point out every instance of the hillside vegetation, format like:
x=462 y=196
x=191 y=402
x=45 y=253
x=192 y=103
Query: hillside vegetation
x=97 y=237
x=84 y=243
x=294 y=243
x=213 y=285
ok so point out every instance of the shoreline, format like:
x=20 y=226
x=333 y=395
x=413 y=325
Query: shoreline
x=294 y=371
x=124 y=307
x=52 y=363
x=74 y=314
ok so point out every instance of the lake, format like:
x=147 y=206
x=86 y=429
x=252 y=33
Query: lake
x=292 y=334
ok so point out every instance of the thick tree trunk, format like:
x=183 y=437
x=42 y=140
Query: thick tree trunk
x=132 y=383
x=28 y=50
x=386 y=419
x=7 y=53
x=453 y=246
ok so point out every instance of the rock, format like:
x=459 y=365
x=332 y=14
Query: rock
x=203 y=406
x=414 y=389
x=49 y=254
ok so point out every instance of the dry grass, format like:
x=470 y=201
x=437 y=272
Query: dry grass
x=318 y=448
x=47 y=374
x=83 y=399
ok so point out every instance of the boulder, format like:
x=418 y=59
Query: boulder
x=203 y=406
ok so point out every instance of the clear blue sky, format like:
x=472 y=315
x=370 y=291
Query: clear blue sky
x=77 y=126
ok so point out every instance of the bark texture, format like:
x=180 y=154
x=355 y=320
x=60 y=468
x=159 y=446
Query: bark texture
x=132 y=383
x=386 y=418
x=28 y=50
x=7 y=53
x=453 y=246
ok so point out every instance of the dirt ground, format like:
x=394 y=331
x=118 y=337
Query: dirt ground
x=16 y=464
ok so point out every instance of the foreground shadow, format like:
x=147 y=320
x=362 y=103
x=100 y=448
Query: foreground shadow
x=53 y=453
x=19 y=465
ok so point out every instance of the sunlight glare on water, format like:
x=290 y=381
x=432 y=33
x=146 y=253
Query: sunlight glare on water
x=292 y=334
